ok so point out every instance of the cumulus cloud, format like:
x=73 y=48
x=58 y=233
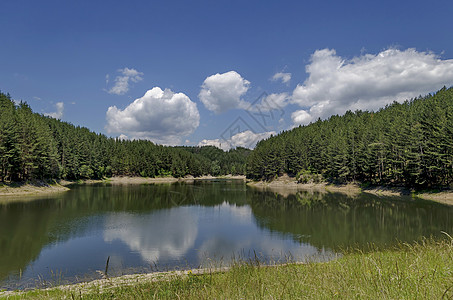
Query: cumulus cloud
x=284 y=77
x=246 y=139
x=301 y=117
x=160 y=116
x=271 y=102
x=59 y=113
x=367 y=82
x=221 y=92
x=121 y=85
x=219 y=143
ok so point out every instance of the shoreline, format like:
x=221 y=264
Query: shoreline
x=107 y=282
x=34 y=188
x=42 y=188
x=286 y=185
x=444 y=197
x=118 y=281
x=283 y=185
x=149 y=180
x=346 y=276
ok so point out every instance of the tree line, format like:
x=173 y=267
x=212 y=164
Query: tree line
x=408 y=144
x=405 y=144
x=33 y=146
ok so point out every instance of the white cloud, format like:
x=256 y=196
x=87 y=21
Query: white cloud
x=59 y=113
x=160 y=116
x=284 y=77
x=367 y=82
x=224 y=145
x=121 y=85
x=221 y=92
x=271 y=102
x=301 y=117
x=246 y=139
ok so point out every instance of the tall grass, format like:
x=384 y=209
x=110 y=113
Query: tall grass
x=418 y=271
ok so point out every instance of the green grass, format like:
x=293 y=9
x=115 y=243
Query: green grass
x=419 y=271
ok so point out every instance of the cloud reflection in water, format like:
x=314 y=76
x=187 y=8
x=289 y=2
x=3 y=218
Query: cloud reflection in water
x=202 y=234
x=163 y=235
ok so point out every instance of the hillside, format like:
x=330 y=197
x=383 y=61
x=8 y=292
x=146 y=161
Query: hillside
x=33 y=146
x=406 y=144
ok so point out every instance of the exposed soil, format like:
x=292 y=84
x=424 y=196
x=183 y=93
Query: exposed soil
x=286 y=185
x=33 y=188
x=11 y=190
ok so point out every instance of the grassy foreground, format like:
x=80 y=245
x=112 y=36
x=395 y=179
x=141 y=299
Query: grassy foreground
x=420 y=271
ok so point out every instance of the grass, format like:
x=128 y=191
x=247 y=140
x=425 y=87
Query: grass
x=419 y=271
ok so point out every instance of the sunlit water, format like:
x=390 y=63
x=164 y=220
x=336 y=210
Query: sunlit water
x=144 y=228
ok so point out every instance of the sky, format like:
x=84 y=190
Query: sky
x=223 y=73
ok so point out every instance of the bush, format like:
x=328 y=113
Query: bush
x=305 y=176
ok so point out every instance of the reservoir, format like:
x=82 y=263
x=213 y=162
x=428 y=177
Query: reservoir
x=68 y=237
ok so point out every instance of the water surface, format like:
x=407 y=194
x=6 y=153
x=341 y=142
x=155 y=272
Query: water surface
x=68 y=237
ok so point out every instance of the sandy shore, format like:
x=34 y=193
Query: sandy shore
x=124 y=280
x=444 y=197
x=105 y=284
x=286 y=186
x=285 y=189
x=9 y=191
x=38 y=188
x=145 y=180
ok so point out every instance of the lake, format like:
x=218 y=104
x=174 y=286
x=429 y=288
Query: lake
x=144 y=228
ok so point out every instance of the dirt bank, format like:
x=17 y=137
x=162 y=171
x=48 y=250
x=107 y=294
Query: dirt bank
x=42 y=188
x=144 y=180
x=286 y=185
x=444 y=197
x=107 y=283
x=34 y=188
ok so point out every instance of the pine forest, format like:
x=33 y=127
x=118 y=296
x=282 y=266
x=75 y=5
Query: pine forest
x=403 y=144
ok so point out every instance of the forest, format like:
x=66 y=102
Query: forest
x=403 y=144
x=36 y=147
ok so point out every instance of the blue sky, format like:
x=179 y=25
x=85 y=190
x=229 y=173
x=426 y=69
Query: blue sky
x=225 y=73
